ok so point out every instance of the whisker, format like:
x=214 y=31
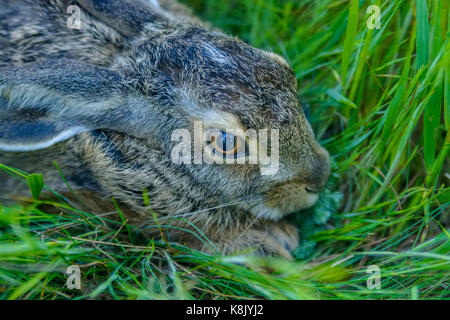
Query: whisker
x=182 y=215
x=247 y=228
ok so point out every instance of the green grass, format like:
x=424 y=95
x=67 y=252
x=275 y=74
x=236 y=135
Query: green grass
x=379 y=102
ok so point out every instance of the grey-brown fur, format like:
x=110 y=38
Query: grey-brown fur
x=126 y=81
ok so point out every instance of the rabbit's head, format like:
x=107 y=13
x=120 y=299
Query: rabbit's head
x=173 y=76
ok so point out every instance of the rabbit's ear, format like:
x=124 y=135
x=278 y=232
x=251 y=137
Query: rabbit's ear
x=125 y=16
x=44 y=103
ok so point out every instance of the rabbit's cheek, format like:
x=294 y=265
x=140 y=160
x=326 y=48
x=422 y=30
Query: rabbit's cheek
x=285 y=199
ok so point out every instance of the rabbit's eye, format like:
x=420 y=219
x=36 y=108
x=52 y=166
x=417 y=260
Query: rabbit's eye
x=227 y=145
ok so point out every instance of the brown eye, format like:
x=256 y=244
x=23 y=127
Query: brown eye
x=226 y=144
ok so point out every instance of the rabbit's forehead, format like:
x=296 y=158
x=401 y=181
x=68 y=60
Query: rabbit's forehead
x=230 y=110
x=206 y=70
x=200 y=54
x=264 y=87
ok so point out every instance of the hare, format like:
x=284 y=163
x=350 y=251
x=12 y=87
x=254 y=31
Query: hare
x=103 y=99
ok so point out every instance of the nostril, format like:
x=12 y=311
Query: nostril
x=311 y=189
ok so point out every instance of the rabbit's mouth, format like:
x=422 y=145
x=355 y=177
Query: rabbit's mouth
x=285 y=199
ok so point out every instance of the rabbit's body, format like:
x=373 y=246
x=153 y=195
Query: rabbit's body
x=103 y=102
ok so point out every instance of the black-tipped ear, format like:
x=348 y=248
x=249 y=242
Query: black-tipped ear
x=45 y=103
x=125 y=16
